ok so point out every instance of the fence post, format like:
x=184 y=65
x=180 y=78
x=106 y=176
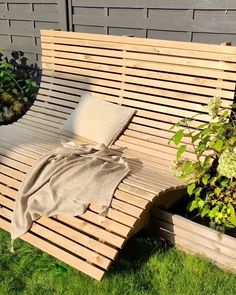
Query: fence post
x=62 y=15
x=70 y=15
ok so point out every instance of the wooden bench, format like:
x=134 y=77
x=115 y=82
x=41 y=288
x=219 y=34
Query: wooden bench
x=163 y=80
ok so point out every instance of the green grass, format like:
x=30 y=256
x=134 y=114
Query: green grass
x=145 y=267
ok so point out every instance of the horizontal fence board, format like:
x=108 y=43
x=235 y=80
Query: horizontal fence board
x=202 y=21
x=211 y=24
x=29 y=1
x=21 y=22
x=172 y=20
x=180 y=4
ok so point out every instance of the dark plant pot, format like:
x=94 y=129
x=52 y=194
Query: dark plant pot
x=196 y=238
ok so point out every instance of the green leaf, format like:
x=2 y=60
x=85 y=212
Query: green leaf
x=214 y=211
x=190 y=188
x=201 y=203
x=201 y=148
x=178 y=137
x=213 y=180
x=27 y=81
x=202 y=126
x=205 y=178
x=232 y=217
x=192 y=205
x=218 y=145
x=225 y=182
x=197 y=191
x=187 y=168
x=232 y=140
x=180 y=151
x=207 y=161
x=205 y=210
x=34 y=84
x=195 y=137
x=217 y=191
x=212 y=143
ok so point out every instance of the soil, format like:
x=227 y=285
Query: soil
x=180 y=209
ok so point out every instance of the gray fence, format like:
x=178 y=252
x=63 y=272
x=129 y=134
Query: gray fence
x=207 y=21
x=21 y=21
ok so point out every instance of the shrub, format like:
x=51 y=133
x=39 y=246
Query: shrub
x=211 y=176
x=17 y=90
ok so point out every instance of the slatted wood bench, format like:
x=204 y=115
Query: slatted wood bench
x=163 y=80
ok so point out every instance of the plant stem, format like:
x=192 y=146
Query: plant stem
x=21 y=90
x=195 y=150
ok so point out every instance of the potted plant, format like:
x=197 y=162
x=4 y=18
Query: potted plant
x=17 y=90
x=210 y=178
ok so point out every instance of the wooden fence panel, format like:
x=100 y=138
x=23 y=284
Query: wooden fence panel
x=211 y=21
x=21 y=21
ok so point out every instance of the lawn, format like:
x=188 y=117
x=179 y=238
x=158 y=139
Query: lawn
x=145 y=266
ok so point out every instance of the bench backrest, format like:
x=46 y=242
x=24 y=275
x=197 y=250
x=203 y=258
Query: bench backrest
x=163 y=80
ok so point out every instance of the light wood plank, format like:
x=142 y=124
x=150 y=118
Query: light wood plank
x=57 y=252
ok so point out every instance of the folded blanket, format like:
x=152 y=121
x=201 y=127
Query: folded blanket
x=67 y=180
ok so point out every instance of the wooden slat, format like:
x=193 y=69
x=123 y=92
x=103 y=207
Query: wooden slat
x=147 y=65
x=92 y=230
x=19 y=150
x=139 y=48
x=12 y=163
x=138 y=41
x=93 y=62
x=74 y=235
x=191 y=236
x=131 y=199
x=39 y=120
x=61 y=239
x=55 y=251
x=10 y=192
x=26 y=143
x=162 y=136
x=10 y=172
x=141 y=56
x=159 y=145
x=117 y=205
x=177 y=86
x=102 y=221
x=182 y=222
x=193 y=100
x=157 y=75
x=15 y=184
x=118 y=195
x=44 y=116
x=15 y=156
x=25 y=121
x=56 y=101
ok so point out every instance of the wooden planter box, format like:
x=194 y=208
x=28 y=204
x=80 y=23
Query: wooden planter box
x=195 y=238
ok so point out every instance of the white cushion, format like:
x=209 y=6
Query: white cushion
x=97 y=120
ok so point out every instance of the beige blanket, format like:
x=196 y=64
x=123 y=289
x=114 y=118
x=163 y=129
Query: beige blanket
x=67 y=180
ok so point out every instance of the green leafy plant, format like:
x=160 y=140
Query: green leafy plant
x=209 y=170
x=17 y=90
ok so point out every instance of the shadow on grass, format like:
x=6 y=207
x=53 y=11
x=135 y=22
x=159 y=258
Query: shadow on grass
x=137 y=252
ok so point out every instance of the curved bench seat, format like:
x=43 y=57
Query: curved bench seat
x=163 y=80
